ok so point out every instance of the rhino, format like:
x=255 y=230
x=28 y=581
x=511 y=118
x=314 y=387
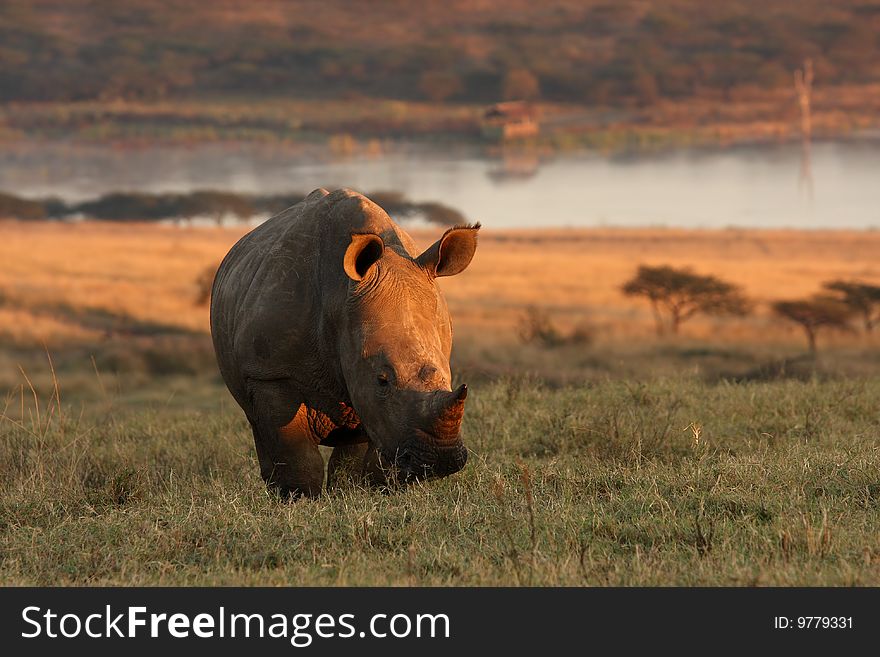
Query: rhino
x=329 y=329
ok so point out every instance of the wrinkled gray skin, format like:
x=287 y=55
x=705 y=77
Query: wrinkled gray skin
x=329 y=330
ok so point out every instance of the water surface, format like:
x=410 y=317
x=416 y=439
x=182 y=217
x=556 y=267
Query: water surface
x=763 y=186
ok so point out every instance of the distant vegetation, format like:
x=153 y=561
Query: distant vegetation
x=862 y=298
x=205 y=284
x=537 y=327
x=19 y=208
x=676 y=295
x=596 y=52
x=834 y=309
x=815 y=314
x=216 y=205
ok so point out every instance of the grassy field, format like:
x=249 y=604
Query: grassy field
x=67 y=283
x=722 y=456
x=106 y=287
x=618 y=483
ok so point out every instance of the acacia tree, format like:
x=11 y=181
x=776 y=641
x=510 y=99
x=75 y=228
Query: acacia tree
x=864 y=300
x=681 y=294
x=816 y=313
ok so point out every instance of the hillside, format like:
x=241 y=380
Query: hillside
x=588 y=52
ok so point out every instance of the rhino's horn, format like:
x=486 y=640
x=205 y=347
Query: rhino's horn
x=451 y=411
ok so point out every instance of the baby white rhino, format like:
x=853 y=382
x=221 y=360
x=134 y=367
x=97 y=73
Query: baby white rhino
x=329 y=330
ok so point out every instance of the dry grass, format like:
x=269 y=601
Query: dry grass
x=134 y=466
x=577 y=275
x=57 y=276
x=673 y=483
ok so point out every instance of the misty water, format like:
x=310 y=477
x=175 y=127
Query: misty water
x=766 y=186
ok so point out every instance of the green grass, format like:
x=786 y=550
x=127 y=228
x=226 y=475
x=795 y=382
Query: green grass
x=664 y=482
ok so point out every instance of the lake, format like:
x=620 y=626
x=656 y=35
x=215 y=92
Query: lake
x=756 y=186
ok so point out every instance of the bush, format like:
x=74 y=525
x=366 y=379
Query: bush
x=520 y=84
x=214 y=204
x=12 y=207
x=122 y=206
x=128 y=206
x=535 y=326
x=439 y=85
x=394 y=203
x=205 y=283
x=137 y=206
x=273 y=204
x=437 y=213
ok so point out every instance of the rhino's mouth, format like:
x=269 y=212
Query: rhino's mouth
x=424 y=457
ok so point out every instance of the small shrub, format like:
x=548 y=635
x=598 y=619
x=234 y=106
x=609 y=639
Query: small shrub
x=204 y=284
x=535 y=326
x=437 y=213
x=583 y=334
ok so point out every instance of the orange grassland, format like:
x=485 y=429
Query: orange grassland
x=54 y=274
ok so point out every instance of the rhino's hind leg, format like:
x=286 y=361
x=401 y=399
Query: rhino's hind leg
x=290 y=462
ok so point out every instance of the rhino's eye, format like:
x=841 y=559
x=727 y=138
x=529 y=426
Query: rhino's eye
x=382 y=379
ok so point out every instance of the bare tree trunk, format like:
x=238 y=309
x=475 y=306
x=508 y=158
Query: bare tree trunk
x=806 y=173
x=658 y=318
x=676 y=320
x=803 y=84
x=811 y=338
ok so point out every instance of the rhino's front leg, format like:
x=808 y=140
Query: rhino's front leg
x=287 y=448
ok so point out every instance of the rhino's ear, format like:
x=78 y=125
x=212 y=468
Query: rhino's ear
x=363 y=252
x=452 y=253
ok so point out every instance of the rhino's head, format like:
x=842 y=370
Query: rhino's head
x=396 y=349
